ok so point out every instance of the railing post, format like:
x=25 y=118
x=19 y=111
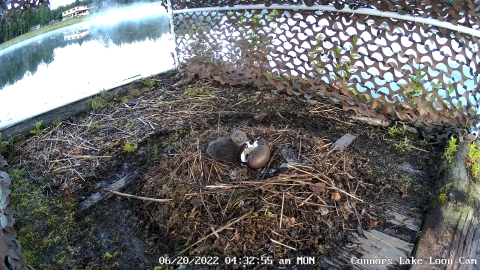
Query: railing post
x=172 y=30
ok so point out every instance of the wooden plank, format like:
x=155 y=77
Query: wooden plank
x=98 y=196
x=412 y=222
x=343 y=142
x=451 y=233
x=381 y=251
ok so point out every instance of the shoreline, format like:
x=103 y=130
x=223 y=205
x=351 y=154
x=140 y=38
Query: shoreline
x=66 y=23
x=68 y=110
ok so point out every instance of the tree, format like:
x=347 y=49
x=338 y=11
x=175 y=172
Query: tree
x=14 y=9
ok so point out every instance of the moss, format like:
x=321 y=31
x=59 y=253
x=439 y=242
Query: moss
x=99 y=101
x=43 y=223
x=473 y=159
x=450 y=150
x=394 y=131
x=148 y=82
x=443 y=195
x=405 y=145
x=197 y=91
x=129 y=147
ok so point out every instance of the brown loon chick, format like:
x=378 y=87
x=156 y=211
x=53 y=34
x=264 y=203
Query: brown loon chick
x=227 y=148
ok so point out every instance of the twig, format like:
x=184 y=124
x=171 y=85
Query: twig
x=150 y=124
x=306 y=200
x=276 y=242
x=213 y=233
x=137 y=197
x=79 y=174
x=281 y=211
x=77 y=157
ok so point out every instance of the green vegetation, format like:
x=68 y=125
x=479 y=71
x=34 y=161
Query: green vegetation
x=99 y=101
x=406 y=144
x=16 y=27
x=37 y=130
x=129 y=147
x=3 y=145
x=443 y=196
x=148 y=82
x=473 y=159
x=43 y=224
x=450 y=150
x=42 y=30
x=196 y=91
x=395 y=130
x=108 y=256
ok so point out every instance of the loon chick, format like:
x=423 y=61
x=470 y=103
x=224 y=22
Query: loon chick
x=227 y=148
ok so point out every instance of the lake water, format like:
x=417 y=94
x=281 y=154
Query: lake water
x=51 y=70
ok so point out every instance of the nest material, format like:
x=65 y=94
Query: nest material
x=308 y=200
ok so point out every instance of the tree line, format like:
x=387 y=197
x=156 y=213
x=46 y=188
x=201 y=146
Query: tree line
x=11 y=27
x=22 y=22
x=26 y=59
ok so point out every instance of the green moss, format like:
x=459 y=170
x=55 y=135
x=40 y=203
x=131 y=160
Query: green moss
x=473 y=159
x=99 y=101
x=197 y=91
x=44 y=223
x=148 y=82
x=393 y=131
x=443 y=195
x=174 y=137
x=3 y=145
x=108 y=256
x=161 y=267
x=129 y=147
x=406 y=144
x=450 y=150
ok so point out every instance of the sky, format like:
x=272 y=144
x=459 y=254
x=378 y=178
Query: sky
x=56 y=3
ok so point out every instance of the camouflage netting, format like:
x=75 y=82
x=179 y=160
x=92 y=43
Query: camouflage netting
x=11 y=256
x=376 y=66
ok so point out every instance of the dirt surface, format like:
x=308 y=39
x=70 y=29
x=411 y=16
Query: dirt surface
x=309 y=200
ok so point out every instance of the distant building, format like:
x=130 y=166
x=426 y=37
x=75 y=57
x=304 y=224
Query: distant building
x=35 y=27
x=75 y=12
x=76 y=34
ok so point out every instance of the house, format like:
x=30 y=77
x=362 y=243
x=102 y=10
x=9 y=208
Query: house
x=76 y=34
x=75 y=12
x=35 y=27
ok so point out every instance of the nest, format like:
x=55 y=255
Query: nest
x=304 y=189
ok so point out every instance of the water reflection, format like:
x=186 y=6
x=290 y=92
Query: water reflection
x=26 y=59
x=52 y=70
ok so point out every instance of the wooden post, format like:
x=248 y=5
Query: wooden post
x=451 y=233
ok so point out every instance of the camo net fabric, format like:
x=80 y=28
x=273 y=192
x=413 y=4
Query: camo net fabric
x=11 y=256
x=376 y=66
